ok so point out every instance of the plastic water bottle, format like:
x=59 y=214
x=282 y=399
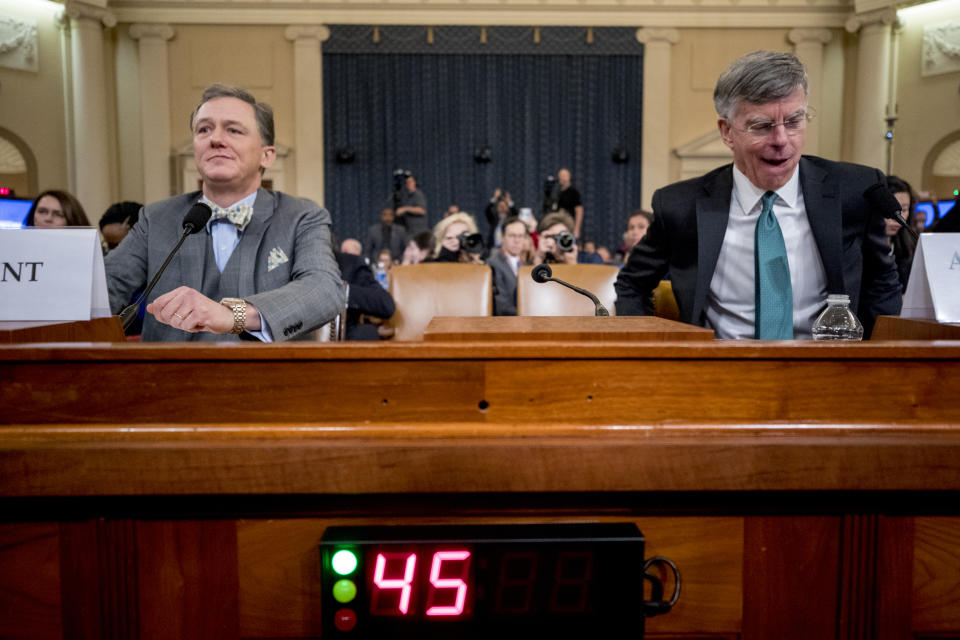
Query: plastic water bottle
x=837 y=322
x=381 y=273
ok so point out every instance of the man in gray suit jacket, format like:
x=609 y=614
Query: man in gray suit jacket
x=504 y=261
x=705 y=231
x=264 y=265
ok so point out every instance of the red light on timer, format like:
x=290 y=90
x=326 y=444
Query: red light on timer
x=395 y=584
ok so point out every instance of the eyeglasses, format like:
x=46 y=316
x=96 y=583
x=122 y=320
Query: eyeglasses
x=56 y=213
x=792 y=125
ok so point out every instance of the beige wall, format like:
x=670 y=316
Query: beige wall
x=32 y=104
x=929 y=107
x=202 y=55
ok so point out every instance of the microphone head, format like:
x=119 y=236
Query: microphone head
x=541 y=273
x=880 y=198
x=197 y=217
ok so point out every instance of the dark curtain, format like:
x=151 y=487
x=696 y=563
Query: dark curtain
x=429 y=113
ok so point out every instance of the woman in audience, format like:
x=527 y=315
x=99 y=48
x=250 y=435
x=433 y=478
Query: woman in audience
x=446 y=238
x=54 y=208
x=418 y=248
x=902 y=244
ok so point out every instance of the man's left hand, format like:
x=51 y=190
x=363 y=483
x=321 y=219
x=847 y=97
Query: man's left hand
x=189 y=310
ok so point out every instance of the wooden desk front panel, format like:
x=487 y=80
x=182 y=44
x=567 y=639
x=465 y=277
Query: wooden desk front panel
x=751 y=577
x=148 y=425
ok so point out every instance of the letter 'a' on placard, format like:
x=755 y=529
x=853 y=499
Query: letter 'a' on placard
x=933 y=290
x=52 y=275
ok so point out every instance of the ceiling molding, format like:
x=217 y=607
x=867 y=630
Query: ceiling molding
x=600 y=13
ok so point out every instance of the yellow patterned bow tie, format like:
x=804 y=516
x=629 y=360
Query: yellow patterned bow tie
x=239 y=214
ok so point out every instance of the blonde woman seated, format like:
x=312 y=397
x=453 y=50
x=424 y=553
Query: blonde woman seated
x=456 y=240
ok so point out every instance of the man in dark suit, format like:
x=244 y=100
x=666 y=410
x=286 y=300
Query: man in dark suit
x=504 y=261
x=263 y=266
x=385 y=235
x=775 y=231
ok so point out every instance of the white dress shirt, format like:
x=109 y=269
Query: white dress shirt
x=514 y=262
x=731 y=298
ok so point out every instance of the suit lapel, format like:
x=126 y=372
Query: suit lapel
x=821 y=198
x=250 y=240
x=193 y=252
x=713 y=211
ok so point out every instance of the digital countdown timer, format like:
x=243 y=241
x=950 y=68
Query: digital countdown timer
x=484 y=581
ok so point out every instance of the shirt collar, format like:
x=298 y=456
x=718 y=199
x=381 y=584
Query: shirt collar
x=748 y=195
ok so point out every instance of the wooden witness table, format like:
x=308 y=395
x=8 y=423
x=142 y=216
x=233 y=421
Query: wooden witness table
x=179 y=491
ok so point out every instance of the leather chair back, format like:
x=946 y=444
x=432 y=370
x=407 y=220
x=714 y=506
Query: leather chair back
x=552 y=299
x=664 y=302
x=423 y=291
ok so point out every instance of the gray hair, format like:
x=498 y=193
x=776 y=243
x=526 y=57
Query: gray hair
x=261 y=110
x=758 y=78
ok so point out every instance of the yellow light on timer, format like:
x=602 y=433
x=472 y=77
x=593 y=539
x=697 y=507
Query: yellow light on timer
x=344 y=562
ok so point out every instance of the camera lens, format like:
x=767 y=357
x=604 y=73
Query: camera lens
x=471 y=242
x=566 y=241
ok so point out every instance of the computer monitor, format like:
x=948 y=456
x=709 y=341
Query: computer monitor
x=13 y=213
x=925 y=208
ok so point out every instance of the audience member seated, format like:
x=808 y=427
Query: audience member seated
x=452 y=209
x=365 y=297
x=385 y=235
x=351 y=246
x=637 y=225
x=54 y=208
x=902 y=244
x=558 y=245
x=117 y=221
x=418 y=248
x=446 y=240
x=604 y=254
x=505 y=260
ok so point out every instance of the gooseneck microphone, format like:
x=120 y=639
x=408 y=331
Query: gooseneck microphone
x=543 y=273
x=196 y=218
x=880 y=197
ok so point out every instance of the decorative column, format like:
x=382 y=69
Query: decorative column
x=873 y=75
x=808 y=46
x=91 y=140
x=154 y=108
x=308 y=108
x=655 y=152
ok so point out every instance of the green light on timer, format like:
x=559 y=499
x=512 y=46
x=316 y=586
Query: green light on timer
x=344 y=562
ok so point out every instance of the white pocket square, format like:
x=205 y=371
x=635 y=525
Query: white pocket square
x=275 y=258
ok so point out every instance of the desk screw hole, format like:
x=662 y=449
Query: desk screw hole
x=483 y=405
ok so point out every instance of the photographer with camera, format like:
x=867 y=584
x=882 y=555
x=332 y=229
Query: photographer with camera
x=409 y=203
x=558 y=245
x=456 y=240
x=500 y=208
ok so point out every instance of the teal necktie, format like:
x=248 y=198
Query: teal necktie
x=774 y=295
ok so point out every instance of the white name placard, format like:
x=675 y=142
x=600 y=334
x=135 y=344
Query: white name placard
x=52 y=275
x=933 y=290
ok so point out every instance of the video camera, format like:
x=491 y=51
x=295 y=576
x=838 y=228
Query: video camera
x=549 y=198
x=400 y=178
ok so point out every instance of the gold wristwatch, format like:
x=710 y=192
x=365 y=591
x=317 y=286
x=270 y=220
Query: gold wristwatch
x=239 y=308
